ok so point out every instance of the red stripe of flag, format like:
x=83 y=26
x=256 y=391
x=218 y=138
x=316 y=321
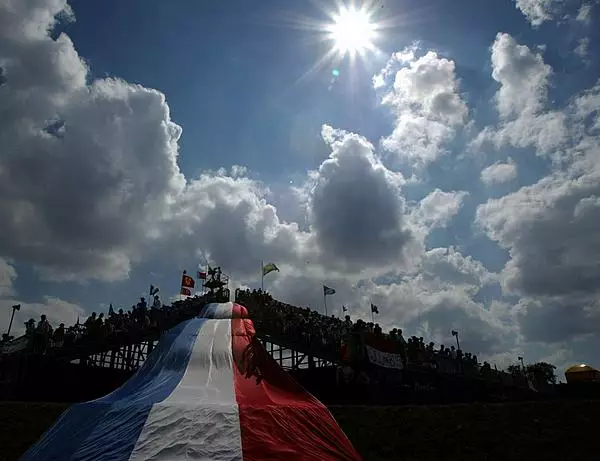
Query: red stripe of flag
x=277 y=416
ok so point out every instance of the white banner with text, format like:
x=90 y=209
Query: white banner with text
x=384 y=359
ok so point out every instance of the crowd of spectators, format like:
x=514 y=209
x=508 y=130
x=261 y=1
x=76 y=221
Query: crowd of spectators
x=308 y=329
x=292 y=324
x=117 y=326
x=327 y=337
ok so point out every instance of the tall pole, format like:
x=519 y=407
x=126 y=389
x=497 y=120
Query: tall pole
x=14 y=308
x=262 y=276
x=325 y=302
x=205 y=279
x=457 y=342
x=372 y=315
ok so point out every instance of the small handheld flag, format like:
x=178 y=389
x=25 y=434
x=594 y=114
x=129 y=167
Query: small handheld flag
x=187 y=284
x=328 y=291
x=454 y=333
x=187 y=281
x=153 y=290
x=374 y=310
x=344 y=309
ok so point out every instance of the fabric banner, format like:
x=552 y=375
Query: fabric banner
x=210 y=390
x=384 y=359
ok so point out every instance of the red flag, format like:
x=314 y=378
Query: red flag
x=185 y=291
x=187 y=281
x=201 y=275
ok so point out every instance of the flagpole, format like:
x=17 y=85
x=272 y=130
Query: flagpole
x=262 y=276
x=325 y=302
x=206 y=278
x=372 y=314
x=203 y=280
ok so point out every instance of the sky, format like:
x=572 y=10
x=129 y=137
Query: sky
x=438 y=159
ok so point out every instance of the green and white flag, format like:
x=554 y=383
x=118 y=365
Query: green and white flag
x=268 y=268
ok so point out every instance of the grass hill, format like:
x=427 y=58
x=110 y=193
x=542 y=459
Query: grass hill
x=550 y=430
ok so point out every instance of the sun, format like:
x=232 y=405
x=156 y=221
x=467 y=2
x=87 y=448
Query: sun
x=352 y=31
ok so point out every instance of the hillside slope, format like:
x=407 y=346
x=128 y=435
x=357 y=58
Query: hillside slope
x=541 y=430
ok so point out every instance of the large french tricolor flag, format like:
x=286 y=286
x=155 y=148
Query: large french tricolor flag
x=209 y=391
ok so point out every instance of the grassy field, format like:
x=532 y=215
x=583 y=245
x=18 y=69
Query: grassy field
x=479 y=432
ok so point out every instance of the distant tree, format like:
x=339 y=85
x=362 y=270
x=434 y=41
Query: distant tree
x=515 y=370
x=542 y=372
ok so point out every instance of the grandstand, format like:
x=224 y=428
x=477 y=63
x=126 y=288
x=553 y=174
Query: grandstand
x=338 y=360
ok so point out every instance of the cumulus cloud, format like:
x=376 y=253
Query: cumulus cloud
x=584 y=14
x=586 y=110
x=438 y=297
x=499 y=172
x=583 y=47
x=230 y=221
x=522 y=75
x=427 y=104
x=7 y=275
x=357 y=211
x=539 y=11
x=431 y=300
x=84 y=168
x=438 y=208
x=57 y=310
x=521 y=99
x=549 y=229
x=557 y=319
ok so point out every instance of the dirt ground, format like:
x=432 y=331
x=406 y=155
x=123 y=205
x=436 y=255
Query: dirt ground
x=554 y=430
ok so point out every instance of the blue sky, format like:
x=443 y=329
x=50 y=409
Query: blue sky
x=448 y=174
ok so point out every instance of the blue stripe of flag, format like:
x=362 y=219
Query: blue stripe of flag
x=108 y=428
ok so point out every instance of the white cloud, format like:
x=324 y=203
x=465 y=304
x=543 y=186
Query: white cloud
x=438 y=208
x=427 y=104
x=583 y=47
x=539 y=11
x=499 y=172
x=78 y=198
x=521 y=100
x=549 y=229
x=7 y=275
x=586 y=109
x=585 y=13
x=523 y=77
x=57 y=310
x=231 y=220
x=106 y=191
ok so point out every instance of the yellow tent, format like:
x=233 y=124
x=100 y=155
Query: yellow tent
x=581 y=373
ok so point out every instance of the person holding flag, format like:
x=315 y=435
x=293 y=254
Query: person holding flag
x=266 y=269
x=374 y=310
x=327 y=291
